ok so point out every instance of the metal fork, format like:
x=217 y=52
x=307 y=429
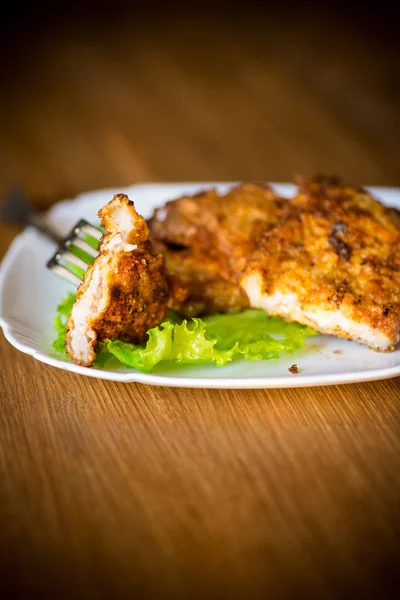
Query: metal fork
x=75 y=252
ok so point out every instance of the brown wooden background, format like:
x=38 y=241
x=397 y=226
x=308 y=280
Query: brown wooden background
x=112 y=490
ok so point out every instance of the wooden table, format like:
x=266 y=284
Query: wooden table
x=111 y=490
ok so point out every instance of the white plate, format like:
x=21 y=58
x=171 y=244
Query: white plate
x=29 y=294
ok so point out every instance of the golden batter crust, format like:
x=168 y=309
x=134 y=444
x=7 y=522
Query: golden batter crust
x=337 y=250
x=206 y=240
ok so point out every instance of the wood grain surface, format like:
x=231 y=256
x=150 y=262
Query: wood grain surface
x=129 y=491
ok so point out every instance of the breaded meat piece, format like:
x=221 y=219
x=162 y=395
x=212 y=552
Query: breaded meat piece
x=332 y=263
x=124 y=292
x=206 y=239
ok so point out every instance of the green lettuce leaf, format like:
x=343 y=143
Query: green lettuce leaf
x=218 y=339
x=184 y=344
x=250 y=334
x=65 y=307
x=257 y=335
x=63 y=310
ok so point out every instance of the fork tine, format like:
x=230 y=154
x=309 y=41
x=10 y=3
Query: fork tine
x=76 y=241
x=67 y=263
x=72 y=258
x=63 y=272
x=88 y=229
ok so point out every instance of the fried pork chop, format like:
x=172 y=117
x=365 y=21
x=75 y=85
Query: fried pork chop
x=333 y=263
x=206 y=240
x=124 y=292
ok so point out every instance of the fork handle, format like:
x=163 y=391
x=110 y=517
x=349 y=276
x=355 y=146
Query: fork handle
x=38 y=223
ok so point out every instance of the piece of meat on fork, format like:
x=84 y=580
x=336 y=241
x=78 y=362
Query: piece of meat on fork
x=124 y=292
